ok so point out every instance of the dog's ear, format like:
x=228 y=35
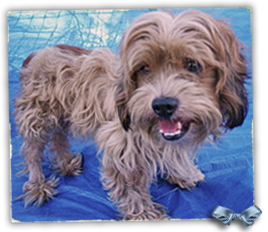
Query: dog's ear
x=121 y=104
x=127 y=83
x=231 y=77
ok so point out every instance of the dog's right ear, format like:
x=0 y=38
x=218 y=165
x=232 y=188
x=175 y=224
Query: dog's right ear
x=122 y=109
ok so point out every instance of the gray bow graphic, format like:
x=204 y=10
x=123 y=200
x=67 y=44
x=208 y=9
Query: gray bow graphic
x=227 y=216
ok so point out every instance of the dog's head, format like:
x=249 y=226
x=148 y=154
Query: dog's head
x=181 y=75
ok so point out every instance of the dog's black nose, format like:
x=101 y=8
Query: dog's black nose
x=165 y=106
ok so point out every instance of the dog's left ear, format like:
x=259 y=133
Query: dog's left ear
x=231 y=77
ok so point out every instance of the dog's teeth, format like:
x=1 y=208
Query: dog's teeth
x=161 y=131
x=179 y=125
x=168 y=134
x=172 y=134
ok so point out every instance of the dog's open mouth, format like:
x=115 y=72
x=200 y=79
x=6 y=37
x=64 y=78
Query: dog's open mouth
x=173 y=130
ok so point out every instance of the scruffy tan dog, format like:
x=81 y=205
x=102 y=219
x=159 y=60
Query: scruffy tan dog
x=177 y=81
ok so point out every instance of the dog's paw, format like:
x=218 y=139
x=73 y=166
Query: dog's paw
x=189 y=183
x=72 y=167
x=37 y=192
x=152 y=212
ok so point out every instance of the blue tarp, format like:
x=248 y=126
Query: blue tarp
x=228 y=165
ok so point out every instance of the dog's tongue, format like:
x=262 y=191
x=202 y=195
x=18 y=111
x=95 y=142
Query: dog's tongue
x=168 y=127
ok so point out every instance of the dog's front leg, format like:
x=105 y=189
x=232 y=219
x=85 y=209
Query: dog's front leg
x=182 y=171
x=130 y=191
x=126 y=174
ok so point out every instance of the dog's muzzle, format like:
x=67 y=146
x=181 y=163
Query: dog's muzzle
x=170 y=129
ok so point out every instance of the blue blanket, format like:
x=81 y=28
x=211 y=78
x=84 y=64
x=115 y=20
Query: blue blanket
x=228 y=165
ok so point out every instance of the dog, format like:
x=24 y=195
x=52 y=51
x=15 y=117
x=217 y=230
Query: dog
x=177 y=82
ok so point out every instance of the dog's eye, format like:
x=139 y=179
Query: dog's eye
x=192 y=66
x=145 y=69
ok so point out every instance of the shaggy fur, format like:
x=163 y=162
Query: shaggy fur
x=184 y=71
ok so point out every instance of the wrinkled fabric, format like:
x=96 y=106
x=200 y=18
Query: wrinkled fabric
x=228 y=165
